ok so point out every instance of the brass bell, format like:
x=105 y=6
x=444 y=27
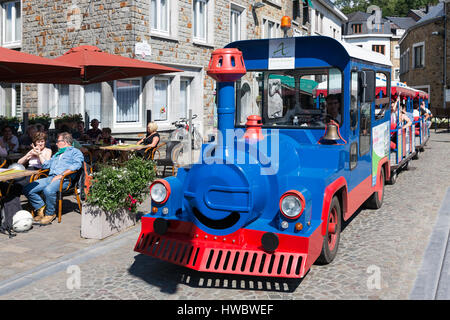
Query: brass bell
x=332 y=132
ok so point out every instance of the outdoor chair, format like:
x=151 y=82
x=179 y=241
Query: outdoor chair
x=156 y=155
x=71 y=188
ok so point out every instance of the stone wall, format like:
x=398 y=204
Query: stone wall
x=432 y=73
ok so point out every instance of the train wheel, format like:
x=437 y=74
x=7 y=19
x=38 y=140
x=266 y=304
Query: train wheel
x=376 y=199
x=393 y=179
x=333 y=234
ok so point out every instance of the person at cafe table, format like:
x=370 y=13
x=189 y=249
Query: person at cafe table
x=8 y=140
x=68 y=158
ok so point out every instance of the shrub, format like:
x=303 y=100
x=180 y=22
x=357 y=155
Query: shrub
x=115 y=188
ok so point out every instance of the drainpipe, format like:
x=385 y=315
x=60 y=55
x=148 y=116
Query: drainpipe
x=445 y=55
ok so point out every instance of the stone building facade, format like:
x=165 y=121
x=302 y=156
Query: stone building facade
x=422 y=63
x=175 y=33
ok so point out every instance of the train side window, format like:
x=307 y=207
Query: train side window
x=382 y=91
x=367 y=84
x=354 y=101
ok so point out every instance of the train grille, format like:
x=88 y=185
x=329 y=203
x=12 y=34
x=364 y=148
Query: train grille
x=221 y=260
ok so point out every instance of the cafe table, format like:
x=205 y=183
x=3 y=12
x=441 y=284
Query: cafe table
x=11 y=174
x=125 y=149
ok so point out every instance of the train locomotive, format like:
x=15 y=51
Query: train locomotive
x=269 y=195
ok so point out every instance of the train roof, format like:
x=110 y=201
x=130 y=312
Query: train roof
x=316 y=51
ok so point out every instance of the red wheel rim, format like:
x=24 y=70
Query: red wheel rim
x=332 y=224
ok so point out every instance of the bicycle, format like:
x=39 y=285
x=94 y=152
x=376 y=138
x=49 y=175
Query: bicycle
x=180 y=136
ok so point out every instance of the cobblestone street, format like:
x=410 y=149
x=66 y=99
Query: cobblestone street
x=389 y=242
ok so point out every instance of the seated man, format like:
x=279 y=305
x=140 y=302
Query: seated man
x=67 y=159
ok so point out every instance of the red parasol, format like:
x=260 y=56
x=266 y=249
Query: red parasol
x=16 y=66
x=99 y=66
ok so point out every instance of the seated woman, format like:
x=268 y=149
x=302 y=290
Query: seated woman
x=38 y=153
x=152 y=138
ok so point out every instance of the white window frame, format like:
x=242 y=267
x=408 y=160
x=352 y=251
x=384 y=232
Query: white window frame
x=188 y=94
x=12 y=87
x=276 y=25
x=172 y=20
x=122 y=125
x=169 y=112
x=397 y=72
x=207 y=20
x=14 y=43
x=415 y=45
x=242 y=23
x=397 y=52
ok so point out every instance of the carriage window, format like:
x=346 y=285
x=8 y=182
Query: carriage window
x=382 y=91
x=291 y=98
x=354 y=101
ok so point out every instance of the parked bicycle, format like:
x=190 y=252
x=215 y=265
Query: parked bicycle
x=181 y=137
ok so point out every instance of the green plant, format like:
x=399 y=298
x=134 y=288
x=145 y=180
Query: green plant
x=69 y=118
x=39 y=118
x=115 y=188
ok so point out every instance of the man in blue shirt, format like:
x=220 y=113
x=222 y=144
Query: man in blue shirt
x=68 y=158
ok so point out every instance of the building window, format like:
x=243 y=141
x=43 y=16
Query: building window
x=11 y=98
x=235 y=24
x=127 y=94
x=93 y=101
x=397 y=74
x=271 y=29
x=404 y=62
x=185 y=96
x=397 y=52
x=160 y=15
x=419 y=55
x=357 y=28
x=319 y=22
x=378 y=48
x=200 y=19
x=11 y=23
x=305 y=12
x=161 y=99
x=62 y=98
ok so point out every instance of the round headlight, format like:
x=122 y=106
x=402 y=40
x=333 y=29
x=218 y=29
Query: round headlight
x=292 y=204
x=158 y=192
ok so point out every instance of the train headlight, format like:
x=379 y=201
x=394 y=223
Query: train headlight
x=160 y=191
x=292 y=204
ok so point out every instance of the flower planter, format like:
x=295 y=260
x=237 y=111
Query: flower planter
x=98 y=224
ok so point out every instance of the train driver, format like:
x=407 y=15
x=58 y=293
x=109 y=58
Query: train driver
x=334 y=107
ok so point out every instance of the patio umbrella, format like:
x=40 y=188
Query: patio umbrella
x=16 y=66
x=98 y=66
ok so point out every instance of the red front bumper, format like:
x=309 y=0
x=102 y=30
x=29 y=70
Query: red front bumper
x=238 y=253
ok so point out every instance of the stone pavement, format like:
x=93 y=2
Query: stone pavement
x=400 y=251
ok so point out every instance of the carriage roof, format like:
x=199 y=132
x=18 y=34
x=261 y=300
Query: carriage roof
x=314 y=51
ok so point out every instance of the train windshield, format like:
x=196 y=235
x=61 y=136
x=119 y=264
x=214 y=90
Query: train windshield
x=301 y=98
